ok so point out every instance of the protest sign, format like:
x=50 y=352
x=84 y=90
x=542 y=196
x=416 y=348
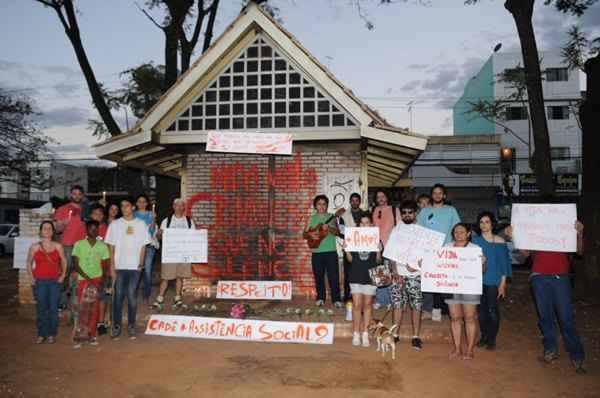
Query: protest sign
x=338 y=188
x=362 y=239
x=549 y=227
x=452 y=270
x=409 y=242
x=240 y=329
x=21 y=248
x=264 y=143
x=254 y=290
x=185 y=245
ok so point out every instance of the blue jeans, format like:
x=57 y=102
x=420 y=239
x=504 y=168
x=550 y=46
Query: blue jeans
x=47 y=297
x=326 y=263
x=382 y=296
x=489 y=314
x=147 y=277
x=553 y=294
x=125 y=284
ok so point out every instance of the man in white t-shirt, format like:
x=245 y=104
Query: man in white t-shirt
x=127 y=238
x=177 y=271
x=406 y=289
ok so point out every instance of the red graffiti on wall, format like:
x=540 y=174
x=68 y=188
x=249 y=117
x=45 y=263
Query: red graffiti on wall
x=251 y=234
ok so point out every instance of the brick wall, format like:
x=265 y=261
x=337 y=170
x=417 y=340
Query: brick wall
x=229 y=195
x=29 y=226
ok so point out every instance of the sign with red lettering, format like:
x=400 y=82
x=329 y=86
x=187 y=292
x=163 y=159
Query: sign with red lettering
x=548 y=227
x=452 y=270
x=362 y=239
x=408 y=243
x=240 y=329
x=238 y=142
x=254 y=290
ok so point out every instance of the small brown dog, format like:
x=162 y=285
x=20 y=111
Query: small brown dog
x=387 y=341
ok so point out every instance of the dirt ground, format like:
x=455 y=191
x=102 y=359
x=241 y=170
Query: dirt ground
x=165 y=367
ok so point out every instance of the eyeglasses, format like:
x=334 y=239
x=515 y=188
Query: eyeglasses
x=379 y=215
x=403 y=212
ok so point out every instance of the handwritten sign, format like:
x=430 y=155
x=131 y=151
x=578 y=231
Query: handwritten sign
x=264 y=143
x=185 y=245
x=548 y=227
x=363 y=239
x=452 y=270
x=254 y=290
x=22 y=245
x=240 y=329
x=338 y=188
x=408 y=243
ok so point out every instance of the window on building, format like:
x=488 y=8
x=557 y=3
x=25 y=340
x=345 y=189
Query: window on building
x=558 y=112
x=557 y=74
x=560 y=152
x=516 y=113
x=261 y=89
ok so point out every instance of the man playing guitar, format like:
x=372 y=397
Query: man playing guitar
x=320 y=232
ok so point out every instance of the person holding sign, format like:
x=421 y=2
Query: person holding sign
x=46 y=279
x=442 y=218
x=321 y=229
x=499 y=267
x=127 y=238
x=406 y=289
x=551 y=285
x=463 y=307
x=177 y=271
x=349 y=219
x=361 y=287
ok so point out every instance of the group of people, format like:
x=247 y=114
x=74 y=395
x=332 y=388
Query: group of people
x=477 y=315
x=111 y=247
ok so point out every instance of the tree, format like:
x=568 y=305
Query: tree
x=21 y=143
x=65 y=10
x=522 y=12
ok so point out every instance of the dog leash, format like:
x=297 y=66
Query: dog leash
x=385 y=315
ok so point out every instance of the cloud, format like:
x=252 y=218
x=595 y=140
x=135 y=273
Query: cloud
x=63 y=117
x=66 y=88
x=442 y=80
x=417 y=66
x=65 y=71
x=411 y=85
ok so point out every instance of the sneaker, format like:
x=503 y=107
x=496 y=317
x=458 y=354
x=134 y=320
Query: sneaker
x=365 y=339
x=76 y=346
x=51 y=340
x=116 y=332
x=338 y=304
x=425 y=315
x=550 y=356
x=320 y=303
x=94 y=341
x=131 y=333
x=579 y=368
x=101 y=329
x=356 y=339
x=158 y=303
x=416 y=343
x=436 y=315
x=376 y=305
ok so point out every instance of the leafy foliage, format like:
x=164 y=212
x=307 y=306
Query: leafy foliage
x=578 y=48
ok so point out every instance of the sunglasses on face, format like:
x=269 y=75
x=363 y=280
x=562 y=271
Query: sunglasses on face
x=406 y=212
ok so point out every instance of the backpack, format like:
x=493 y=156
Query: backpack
x=170 y=218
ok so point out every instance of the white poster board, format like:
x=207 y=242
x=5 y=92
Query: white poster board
x=185 y=245
x=240 y=329
x=361 y=239
x=452 y=270
x=22 y=245
x=408 y=243
x=254 y=290
x=263 y=143
x=338 y=188
x=548 y=227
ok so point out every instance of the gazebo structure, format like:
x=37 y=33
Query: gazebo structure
x=257 y=78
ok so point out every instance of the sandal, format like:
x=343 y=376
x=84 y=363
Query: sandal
x=468 y=357
x=454 y=354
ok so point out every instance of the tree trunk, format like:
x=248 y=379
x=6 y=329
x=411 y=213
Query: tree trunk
x=522 y=12
x=210 y=26
x=171 y=46
x=72 y=31
x=590 y=120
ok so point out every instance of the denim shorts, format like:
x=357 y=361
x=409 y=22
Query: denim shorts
x=472 y=299
x=367 y=290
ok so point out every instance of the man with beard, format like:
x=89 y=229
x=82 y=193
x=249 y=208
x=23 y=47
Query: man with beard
x=442 y=218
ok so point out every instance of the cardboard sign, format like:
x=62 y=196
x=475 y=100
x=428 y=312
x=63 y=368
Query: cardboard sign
x=338 y=188
x=548 y=227
x=254 y=290
x=362 y=239
x=408 y=243
x=185 y=245
x=452 y=270
x=22 y=245
x=240 y=329
x=264 y=143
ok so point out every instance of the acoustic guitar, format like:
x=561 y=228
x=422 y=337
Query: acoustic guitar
x=322 y=230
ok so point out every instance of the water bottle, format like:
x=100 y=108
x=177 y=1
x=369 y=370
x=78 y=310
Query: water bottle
x=349 y=311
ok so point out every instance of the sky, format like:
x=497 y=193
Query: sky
x=411 y=67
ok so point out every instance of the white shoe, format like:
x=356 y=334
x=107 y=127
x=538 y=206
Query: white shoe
x=365 y=339
x=355 y=339
x=436 y=315
x=376 y=305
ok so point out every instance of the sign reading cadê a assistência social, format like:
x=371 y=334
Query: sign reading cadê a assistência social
x=240 y=329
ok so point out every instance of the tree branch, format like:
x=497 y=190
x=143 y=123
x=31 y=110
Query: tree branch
x=159 y=26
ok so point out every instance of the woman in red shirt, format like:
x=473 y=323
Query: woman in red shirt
x=46 y=279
